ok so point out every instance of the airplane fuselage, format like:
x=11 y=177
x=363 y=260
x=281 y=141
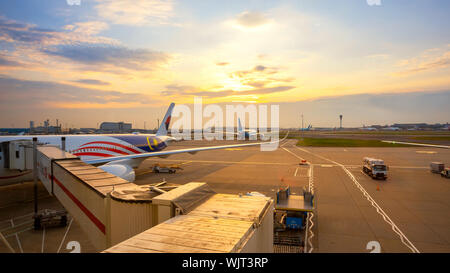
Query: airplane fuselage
x=87 y=147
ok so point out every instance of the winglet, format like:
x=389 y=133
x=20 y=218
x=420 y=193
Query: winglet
x=164 y=128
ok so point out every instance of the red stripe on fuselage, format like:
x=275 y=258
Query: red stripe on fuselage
x=115 y=144
x=93 y=154
x=115 y=150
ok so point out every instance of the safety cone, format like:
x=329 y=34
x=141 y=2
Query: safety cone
x=378 y=187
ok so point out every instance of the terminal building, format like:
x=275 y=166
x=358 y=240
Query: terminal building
x=115 y=127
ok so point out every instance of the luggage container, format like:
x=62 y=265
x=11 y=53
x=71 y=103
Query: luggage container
x=437 y=167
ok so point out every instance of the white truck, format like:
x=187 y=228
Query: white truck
x=375 y=168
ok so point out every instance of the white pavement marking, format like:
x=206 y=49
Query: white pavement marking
x=43 y=240
x=359 y=166
x=293 y=154
x=6 y=243
x=380 y=211
x=17 y=237
x=417 y=144
x=284 y=143
x=186 y=162
x=65 y=234
x=227 y=162
x=311 y=214
x=271 y=163
x=295 y=174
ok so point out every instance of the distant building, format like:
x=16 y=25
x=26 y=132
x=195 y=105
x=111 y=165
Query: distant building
x=411 y=125
x=46 y=129
x=115 y=127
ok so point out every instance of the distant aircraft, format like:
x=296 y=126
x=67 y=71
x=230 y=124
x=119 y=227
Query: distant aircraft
x=247 y=133
x=307 y=128
x=368 y=129
x=118 y=154
x=391 y=129
x=445 y=127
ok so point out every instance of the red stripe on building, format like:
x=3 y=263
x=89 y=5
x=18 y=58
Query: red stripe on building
x=114 y=144
x=86 y=211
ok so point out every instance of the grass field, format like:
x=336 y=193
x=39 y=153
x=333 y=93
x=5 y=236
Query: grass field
x=341 y=142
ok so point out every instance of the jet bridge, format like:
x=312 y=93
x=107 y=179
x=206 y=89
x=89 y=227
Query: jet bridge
x=115 y=213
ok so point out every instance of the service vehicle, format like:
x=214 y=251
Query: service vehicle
x=446 y=173
x=375 y=168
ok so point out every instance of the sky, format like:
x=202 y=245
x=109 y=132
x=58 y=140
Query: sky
x=88 y=61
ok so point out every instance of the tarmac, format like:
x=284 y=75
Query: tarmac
x=410 y=211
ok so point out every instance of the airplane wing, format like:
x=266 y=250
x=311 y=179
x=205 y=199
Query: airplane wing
x=171 y=152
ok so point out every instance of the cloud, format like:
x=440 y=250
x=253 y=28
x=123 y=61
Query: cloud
x=259 y=80
x=251 y=19
x=12 y=31
x=88 y=28
x=260 y=76
x=18 y=94
x=425 y=62
x=24 y=34
x=175 y=89
x=259 y=69
x=91 y=82
x=190 y=91
x=135 y=12
x=5 y=61
x=222 y=63
x=122 y=57
x=77 y=43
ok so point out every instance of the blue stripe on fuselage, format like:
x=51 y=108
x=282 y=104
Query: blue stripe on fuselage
x=142 y=143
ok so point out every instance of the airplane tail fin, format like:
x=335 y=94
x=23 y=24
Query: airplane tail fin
x=164 y=127
x=240 y=130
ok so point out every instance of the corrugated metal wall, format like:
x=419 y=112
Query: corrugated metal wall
x=83 y=203
x=129 y=218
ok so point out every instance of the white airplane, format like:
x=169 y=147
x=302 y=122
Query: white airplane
x=391 y=129
x=118 y=154
x=368 y=129
x=247 y=133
